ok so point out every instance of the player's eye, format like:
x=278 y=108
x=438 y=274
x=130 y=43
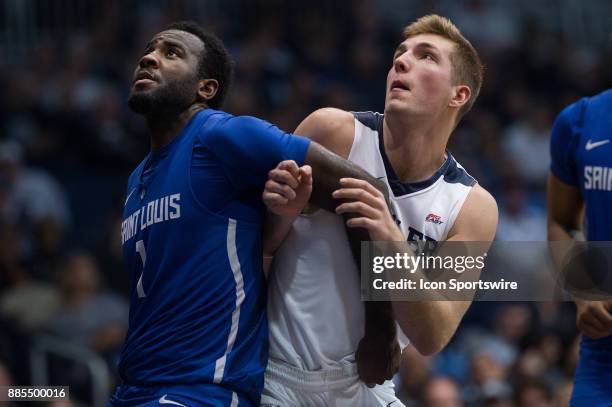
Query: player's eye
x=171 y=53
x=428 y=56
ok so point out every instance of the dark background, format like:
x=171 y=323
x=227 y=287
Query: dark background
x=68 y=143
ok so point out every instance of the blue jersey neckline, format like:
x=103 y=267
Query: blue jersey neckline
x=154 y=156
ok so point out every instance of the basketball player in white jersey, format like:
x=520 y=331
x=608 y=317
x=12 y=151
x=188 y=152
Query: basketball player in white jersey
x=315 y=314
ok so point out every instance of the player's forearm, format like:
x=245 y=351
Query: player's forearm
x=327 y=170
x=559 y=232
x=276 y=228
x=429 y=324
x=565 y=210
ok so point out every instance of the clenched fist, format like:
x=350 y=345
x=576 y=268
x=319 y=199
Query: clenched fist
x=378 y=358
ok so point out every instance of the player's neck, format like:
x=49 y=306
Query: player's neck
x=164 y=129
x=415 y=152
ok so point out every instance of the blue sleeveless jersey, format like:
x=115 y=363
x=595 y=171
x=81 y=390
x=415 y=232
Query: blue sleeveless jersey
x=191 y=236
x=581 y=150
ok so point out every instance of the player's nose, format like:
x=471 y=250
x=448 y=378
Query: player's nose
x=400 y=65
x=148 y=60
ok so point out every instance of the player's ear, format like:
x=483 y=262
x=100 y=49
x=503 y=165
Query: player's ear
x=207 y=88
x=461 y=96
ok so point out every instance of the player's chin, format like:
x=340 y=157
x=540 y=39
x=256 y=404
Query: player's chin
x=396 y=104
x=141 y=100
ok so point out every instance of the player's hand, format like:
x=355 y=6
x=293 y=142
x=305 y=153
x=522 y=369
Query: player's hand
x=378 y=358
x=370 y=209
x=593 y=318
x=288 y=188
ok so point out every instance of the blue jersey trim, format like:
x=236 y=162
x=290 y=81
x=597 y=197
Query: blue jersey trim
x=232 y=254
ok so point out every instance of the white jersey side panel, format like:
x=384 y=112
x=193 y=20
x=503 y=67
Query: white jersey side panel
x=315 y=313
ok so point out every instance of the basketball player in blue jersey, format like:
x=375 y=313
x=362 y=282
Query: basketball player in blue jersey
x=316 y=316
x=580 y=182
x=191 y=230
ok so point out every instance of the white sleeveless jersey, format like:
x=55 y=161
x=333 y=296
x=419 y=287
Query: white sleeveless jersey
x=315 y=313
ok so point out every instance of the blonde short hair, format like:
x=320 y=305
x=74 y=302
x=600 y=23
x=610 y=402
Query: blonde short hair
x=467 y=67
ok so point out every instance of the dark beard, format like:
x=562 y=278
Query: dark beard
x=164 y=101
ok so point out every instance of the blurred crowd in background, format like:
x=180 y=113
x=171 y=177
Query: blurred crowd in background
x=68 y=143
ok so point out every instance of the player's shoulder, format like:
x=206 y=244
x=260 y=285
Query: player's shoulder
x=223 y=124
x=596 y=108
x=574 y=114
x=601 y=99
x=478 y=217
x=332 y=128
x=330 y=115
x=326 y=122
x=482 y=198
x=484 y=205
x=571 y=114
x=244 y=121
x=567 y=127
x=219 y=120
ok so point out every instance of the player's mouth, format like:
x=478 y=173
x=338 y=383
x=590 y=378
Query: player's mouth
x=399 y=86
x=144 y=77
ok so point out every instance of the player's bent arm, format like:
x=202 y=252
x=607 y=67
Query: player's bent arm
x=565 y=211
x=329 y=127
x=378 y=353
x=334 y=130
x=565 y=208
x=331 y=131
x=327 y=170
x=431 y=324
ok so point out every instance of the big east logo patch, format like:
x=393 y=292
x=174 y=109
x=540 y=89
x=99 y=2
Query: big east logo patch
x=433 y=218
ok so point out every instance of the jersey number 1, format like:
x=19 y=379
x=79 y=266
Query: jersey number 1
x=140 y=249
